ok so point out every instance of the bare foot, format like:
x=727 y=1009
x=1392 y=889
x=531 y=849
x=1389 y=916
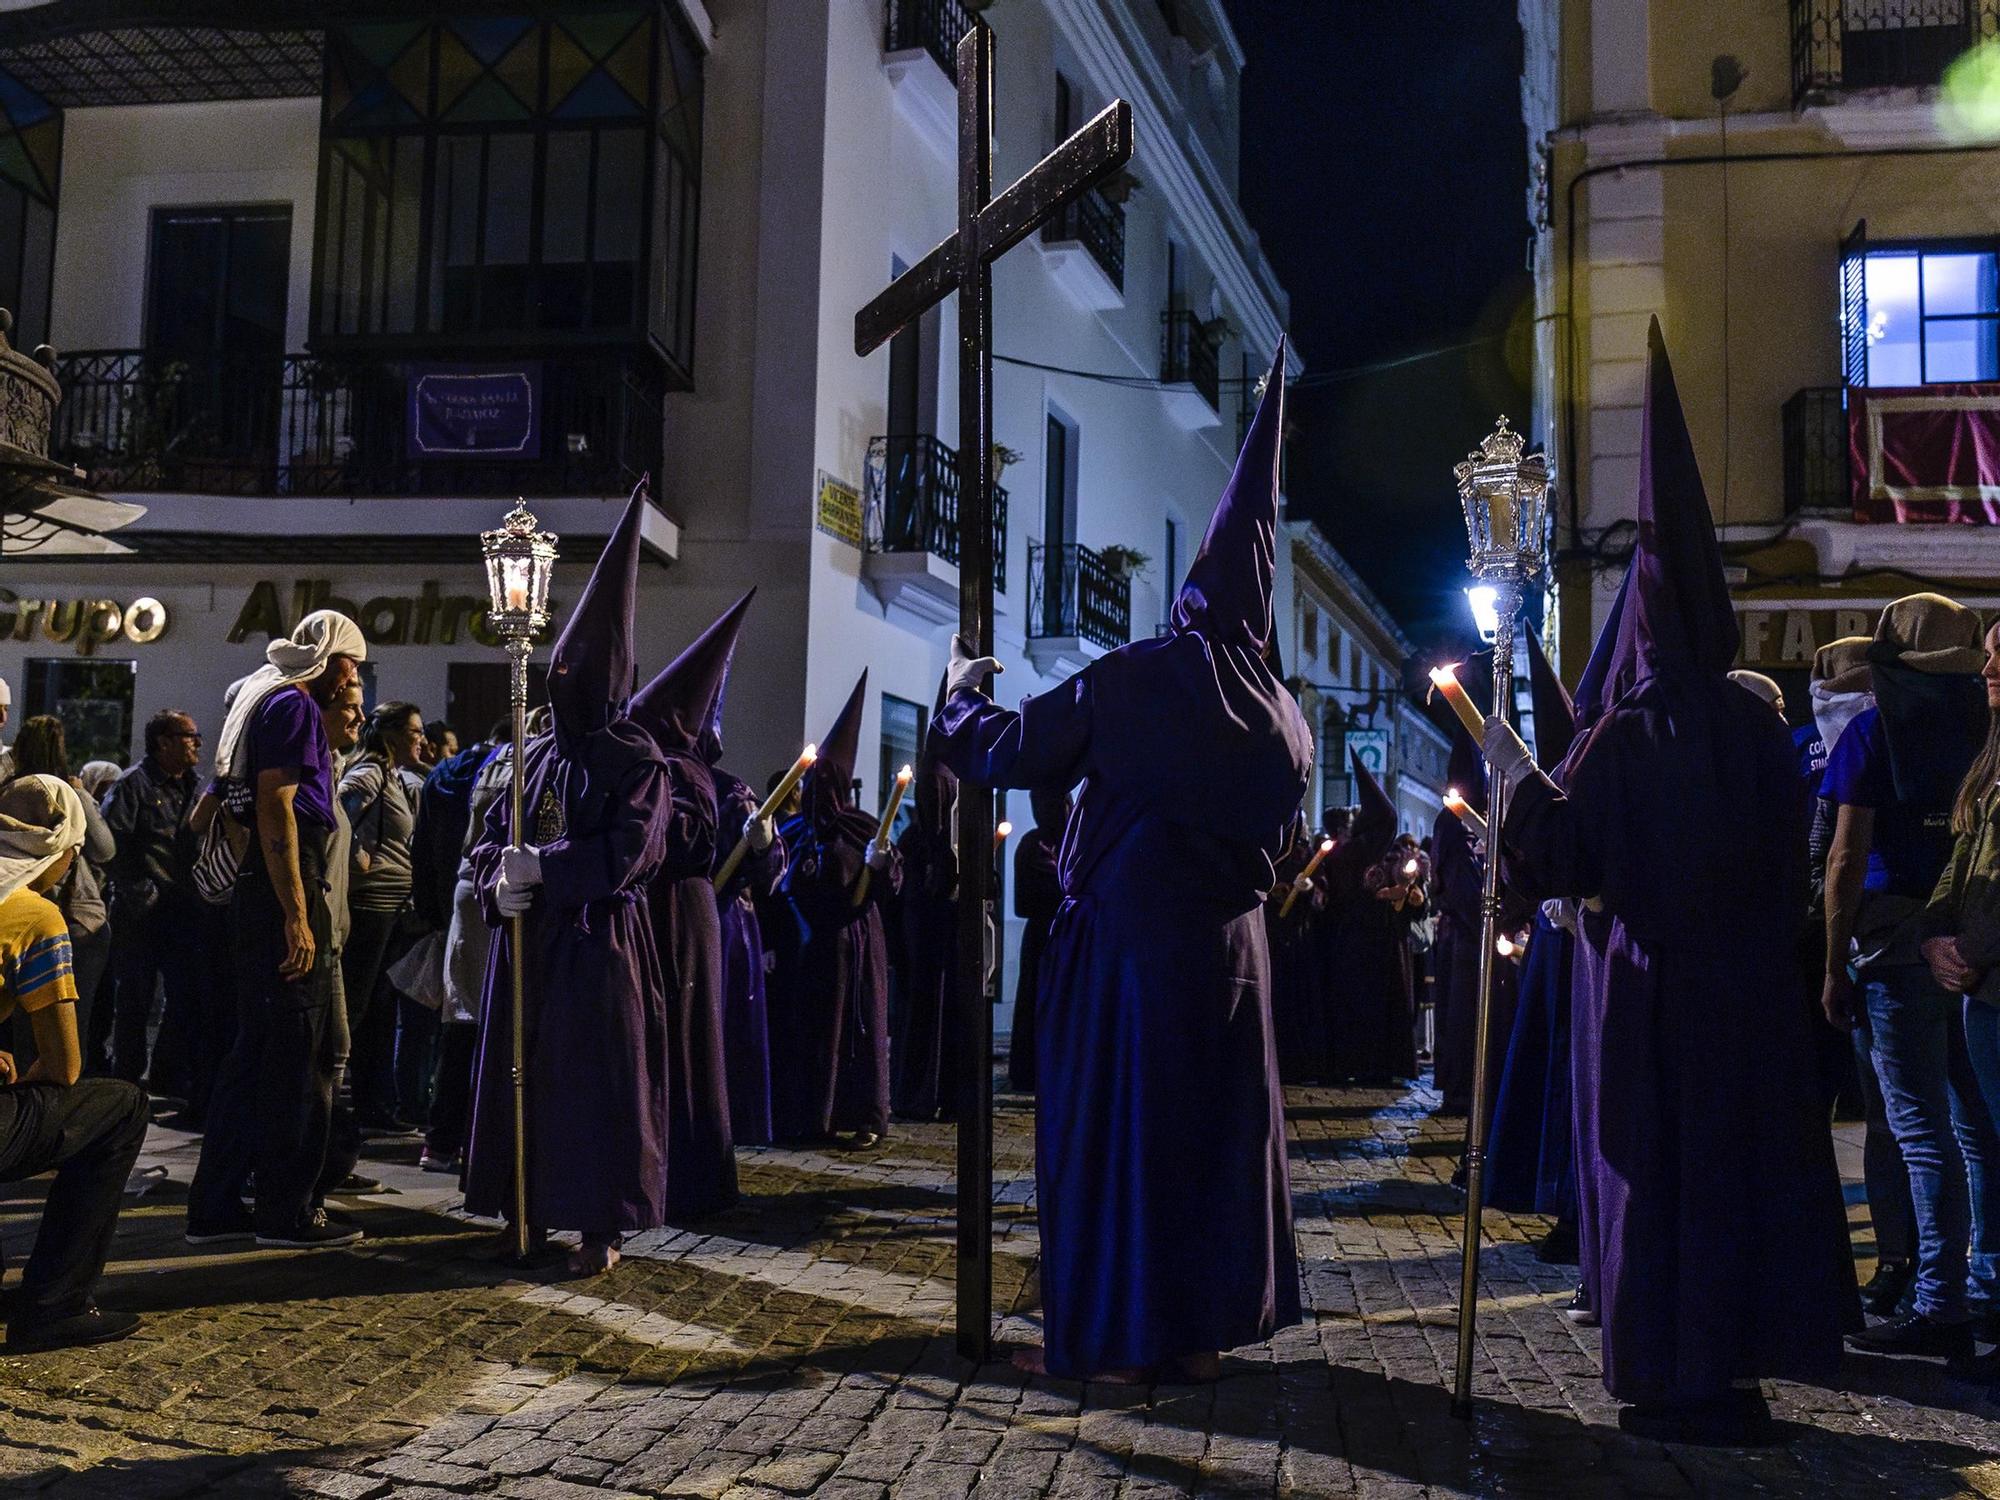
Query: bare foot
x=592 y=1260
x=1029 y=1361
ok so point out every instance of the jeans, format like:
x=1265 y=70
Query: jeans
x=90 y=1134
x=1883 y=1174
x=416 y=1057
x=274 y=1097
x=1947 y=1137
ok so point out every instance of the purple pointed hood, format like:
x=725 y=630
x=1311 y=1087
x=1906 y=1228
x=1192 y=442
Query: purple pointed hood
x=1375 y=818
x=1677 y=620
x=1227 y=594
x=826 y=786
x=1555 y=715
x=1599 y=687
x=935 y=788
x=678 y=707
x=593 y=664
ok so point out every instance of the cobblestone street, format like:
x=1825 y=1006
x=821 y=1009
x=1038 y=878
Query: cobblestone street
x=801 y=1345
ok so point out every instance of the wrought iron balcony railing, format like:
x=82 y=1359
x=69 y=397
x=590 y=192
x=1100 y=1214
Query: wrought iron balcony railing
x=1073 y=595
x=937 y=26
x=910 y=501
x=1189 y=353
x=1843 y=45
x=299 y=424
x=1815 y=450
x=1098 y=224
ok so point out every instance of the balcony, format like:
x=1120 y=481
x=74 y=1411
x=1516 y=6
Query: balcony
x=910 y=526
x=299 y=424
x=1815 y=451
x=1190 y=369
x=1840 y=47
x=1077 y=610
x=920 y=54
x=1084 y=248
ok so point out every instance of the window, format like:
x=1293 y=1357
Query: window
x=1170 y=577
x=902 y=740
x=504 y=175
x=1309 y=631
x=92 y=698
x=1920 y=314
x=30 y=171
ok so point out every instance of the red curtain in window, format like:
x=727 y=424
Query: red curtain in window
x=1925 y=453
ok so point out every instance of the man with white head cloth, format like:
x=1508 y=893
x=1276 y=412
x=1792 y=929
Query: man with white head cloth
x=274 y=1097
x=88 y=1132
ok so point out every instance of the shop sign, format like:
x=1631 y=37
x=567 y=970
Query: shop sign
x=475 y=411
x=837 y=510
x=420 y=619
x=1787 y=638
x=1371 y=748
x=84 y=623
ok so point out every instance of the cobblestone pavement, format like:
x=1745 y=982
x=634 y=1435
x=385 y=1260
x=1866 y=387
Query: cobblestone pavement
x=801 y=1345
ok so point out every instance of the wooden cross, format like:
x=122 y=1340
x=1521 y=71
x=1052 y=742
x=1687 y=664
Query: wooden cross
x=988 y=227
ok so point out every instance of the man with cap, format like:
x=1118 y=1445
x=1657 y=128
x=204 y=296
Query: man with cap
x=676 y=708
x=598 y=804
x=88 y=1132
x=273 y=1098
x=1713 y=1236
x=1160 y=1165
x=840 y=1082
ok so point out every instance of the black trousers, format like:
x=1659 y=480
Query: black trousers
x=159 y=947
x=272 y=1102
x=451 y=1100
x=375 y=940
x=89 y=1134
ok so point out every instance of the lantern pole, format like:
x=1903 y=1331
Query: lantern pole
x=520 y=558
x=1506 y=505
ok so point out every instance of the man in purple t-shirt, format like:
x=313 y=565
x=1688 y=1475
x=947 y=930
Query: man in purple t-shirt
x=274 y=1096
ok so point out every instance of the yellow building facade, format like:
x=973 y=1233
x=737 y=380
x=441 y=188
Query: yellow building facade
x=1806 y=193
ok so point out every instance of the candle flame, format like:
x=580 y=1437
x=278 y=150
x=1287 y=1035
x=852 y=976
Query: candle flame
x=1451 y=797
x=1504 y=945
x=1326 y=846
x=1410 y=868
x=904 y=775
x=809 y=754
x=1448 y=673
x=1003 y=830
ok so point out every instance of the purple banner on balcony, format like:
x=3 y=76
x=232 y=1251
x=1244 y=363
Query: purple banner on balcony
x=476 y=411
x=1925 y=453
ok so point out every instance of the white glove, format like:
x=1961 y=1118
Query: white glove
x=758 y=834
x=878 y=858
x=512 y=899
x=1506 y=753
x=521 y=866
x=966 y=671
x=1302 y=884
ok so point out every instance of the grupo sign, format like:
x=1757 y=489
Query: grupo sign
x=83 y=623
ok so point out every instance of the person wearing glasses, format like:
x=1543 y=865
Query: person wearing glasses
x=156 y=918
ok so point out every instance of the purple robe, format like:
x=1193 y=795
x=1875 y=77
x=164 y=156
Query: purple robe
x=746 y=1034
x=1037 y=899
x=1530 y=1161
x=701 y=1151
x=595 y=1029
x=1297 y=988
x=926 y=931
x=1456 y=898
x=1160 y=1165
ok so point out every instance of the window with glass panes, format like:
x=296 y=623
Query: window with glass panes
x=1931 y=314
x=31 y=134
x=490 y=177
x=902 y=739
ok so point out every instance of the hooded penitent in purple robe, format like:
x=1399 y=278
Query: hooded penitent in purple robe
x=838 y=1033
x=597 y=803
x=1038 y=899
x=1713 y=1235
x=925 y=1033
x=677 y=708
x=1159 y=1139
x=1530 y=1164
x=1457 y=893
x=746 y=1033
x=1298 y=1020
x=1370 y=1012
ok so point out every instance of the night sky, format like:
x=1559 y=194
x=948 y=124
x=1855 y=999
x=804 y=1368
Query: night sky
x=1384 y=165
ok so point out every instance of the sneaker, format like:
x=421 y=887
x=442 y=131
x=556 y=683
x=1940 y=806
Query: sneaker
x=1915 y=1334
x=431 y=1162
x=354 y=1185
x=1885 y=1289
x=1579 y=1311
x=235 y=1226
x=91 y=1326
x=383 y=1122
x=314 y=1232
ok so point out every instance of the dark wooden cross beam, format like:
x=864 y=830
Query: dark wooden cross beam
x=988 y=227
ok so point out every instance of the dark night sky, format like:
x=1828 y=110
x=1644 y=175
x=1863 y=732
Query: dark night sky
x=1384 y=166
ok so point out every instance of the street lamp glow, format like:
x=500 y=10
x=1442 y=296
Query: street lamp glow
x=1485 y=602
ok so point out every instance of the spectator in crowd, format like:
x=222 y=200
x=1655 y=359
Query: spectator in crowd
x=87 y=1132
x=1893 y=778
x=6 y=755
x=43 y=751
x=273 y=1098
x=157 y=920
x=440 y=741
x=96 y=778
x=342 y=717
x=380 y=792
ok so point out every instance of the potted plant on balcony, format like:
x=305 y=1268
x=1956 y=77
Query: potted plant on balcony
x=1123 y=563
x=1002 y=458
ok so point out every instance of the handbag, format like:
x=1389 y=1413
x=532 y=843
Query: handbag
x=219 y=855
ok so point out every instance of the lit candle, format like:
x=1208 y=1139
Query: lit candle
x=1463 y=809
x=1325 y=848
x=765 y=809
x=1445 y=680
x=1504 y=946
x=882 y=832
x=1000 y=833
x=1410 y=867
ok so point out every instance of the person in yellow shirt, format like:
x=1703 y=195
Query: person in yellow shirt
x=87 y=1132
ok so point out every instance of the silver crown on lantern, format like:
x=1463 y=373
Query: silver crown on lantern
x=1506 y=499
